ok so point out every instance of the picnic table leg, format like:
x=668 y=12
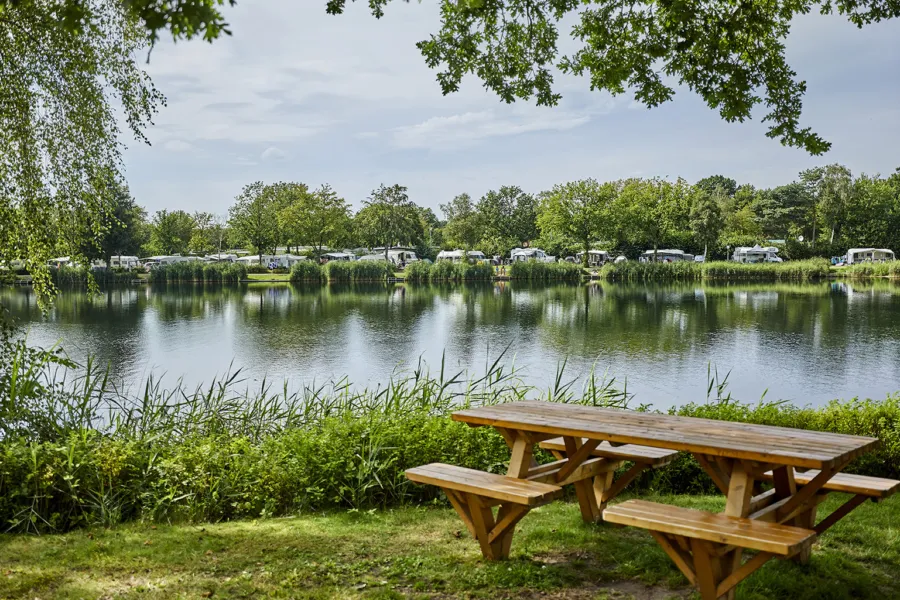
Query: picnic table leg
x=587 y=499
x=786 y=486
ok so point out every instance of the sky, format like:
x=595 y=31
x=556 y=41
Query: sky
x=298 y=95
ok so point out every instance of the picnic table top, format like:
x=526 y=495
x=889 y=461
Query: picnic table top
x=765 y=443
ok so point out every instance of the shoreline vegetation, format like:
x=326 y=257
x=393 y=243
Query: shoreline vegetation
x=310 y=272
x=76 y=450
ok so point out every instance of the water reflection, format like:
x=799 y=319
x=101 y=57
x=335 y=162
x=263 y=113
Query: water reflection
x=808 y=343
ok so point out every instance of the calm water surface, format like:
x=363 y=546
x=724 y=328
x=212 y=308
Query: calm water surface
x=805 y=343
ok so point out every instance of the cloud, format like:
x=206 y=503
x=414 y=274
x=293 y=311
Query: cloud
x=272 y=153
x=176 y=145
x=467 y=129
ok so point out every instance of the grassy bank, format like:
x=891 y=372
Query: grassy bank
x=426 y=553
x=533 y=270
x=447 y=271
x=799 y=270
x=199 y=272
x=868 y=270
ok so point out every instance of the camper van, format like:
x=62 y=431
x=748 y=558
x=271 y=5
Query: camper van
x=526 y=254
x=756 y=254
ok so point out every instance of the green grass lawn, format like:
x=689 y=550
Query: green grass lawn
x=268 y=276
x=425 y=553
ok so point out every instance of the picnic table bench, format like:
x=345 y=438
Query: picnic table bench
x=590 y=444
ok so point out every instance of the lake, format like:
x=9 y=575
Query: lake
x=805 y=343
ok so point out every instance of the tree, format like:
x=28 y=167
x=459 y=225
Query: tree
x=832 y=188
x=171 y=232
x=389 y=218
x=578 y=212
x=733 y=56
x=709 y=184
x=66 y=92
x=204 y=235
x=254 y=217
x=706 y=218
x=463 y=228
x=121 y=223
x=508 y=218
x=785 y=211
x=318 y=219
x=647 y=210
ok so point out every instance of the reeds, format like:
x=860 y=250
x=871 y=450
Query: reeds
x=445 y=271
x=867 y=270
x=307 y=271
x=799 y=270
x=533 y=270
x=199 y=272
x=358 y=270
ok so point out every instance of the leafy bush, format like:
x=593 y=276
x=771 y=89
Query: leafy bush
x=257 y=269
x=532 y=270
x=306 y=271
x=199 y=272
x=359 y=270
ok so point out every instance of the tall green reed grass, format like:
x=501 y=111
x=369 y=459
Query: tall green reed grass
x=866 y=270
x=358 y=270
x=199 y=272
x=533 y=270
x=307 y=271
x=77 y=276
x=799 y=270
x=444 y=271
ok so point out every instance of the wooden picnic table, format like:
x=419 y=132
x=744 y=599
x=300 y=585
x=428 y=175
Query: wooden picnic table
x=737 y=456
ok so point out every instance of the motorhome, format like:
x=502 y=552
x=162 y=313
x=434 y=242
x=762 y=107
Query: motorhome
x=156 y=261
x=666 y=255
x=596 y=258
x=756 y=254
x=345 y=256
x=526 y=254
x=124 y=262
x=459 y=255
x=221 y=258
x=869 y=255
x=272 y=261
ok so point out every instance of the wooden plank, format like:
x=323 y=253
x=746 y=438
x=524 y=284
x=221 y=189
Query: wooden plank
x=576 y=459
x=483 y=522
x=590 y=468
x=520 y=460
x=808 y=449
x=742 y=572
x=471 y=481
x=762 y=500
x=744 y=533
x=681 y=559
x=587 y=502
x=740 y=490
x=507 y=521
x=619 y=484
x=646 y=454
x=712 y=469
x=840 y=513
x=874 y=487
x=461 y=506
x=705 y=567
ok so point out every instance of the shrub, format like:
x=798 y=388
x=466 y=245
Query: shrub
x=257 y=269
x=306 y=271
x=532 y=270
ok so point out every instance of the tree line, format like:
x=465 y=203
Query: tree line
x=821 y=213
